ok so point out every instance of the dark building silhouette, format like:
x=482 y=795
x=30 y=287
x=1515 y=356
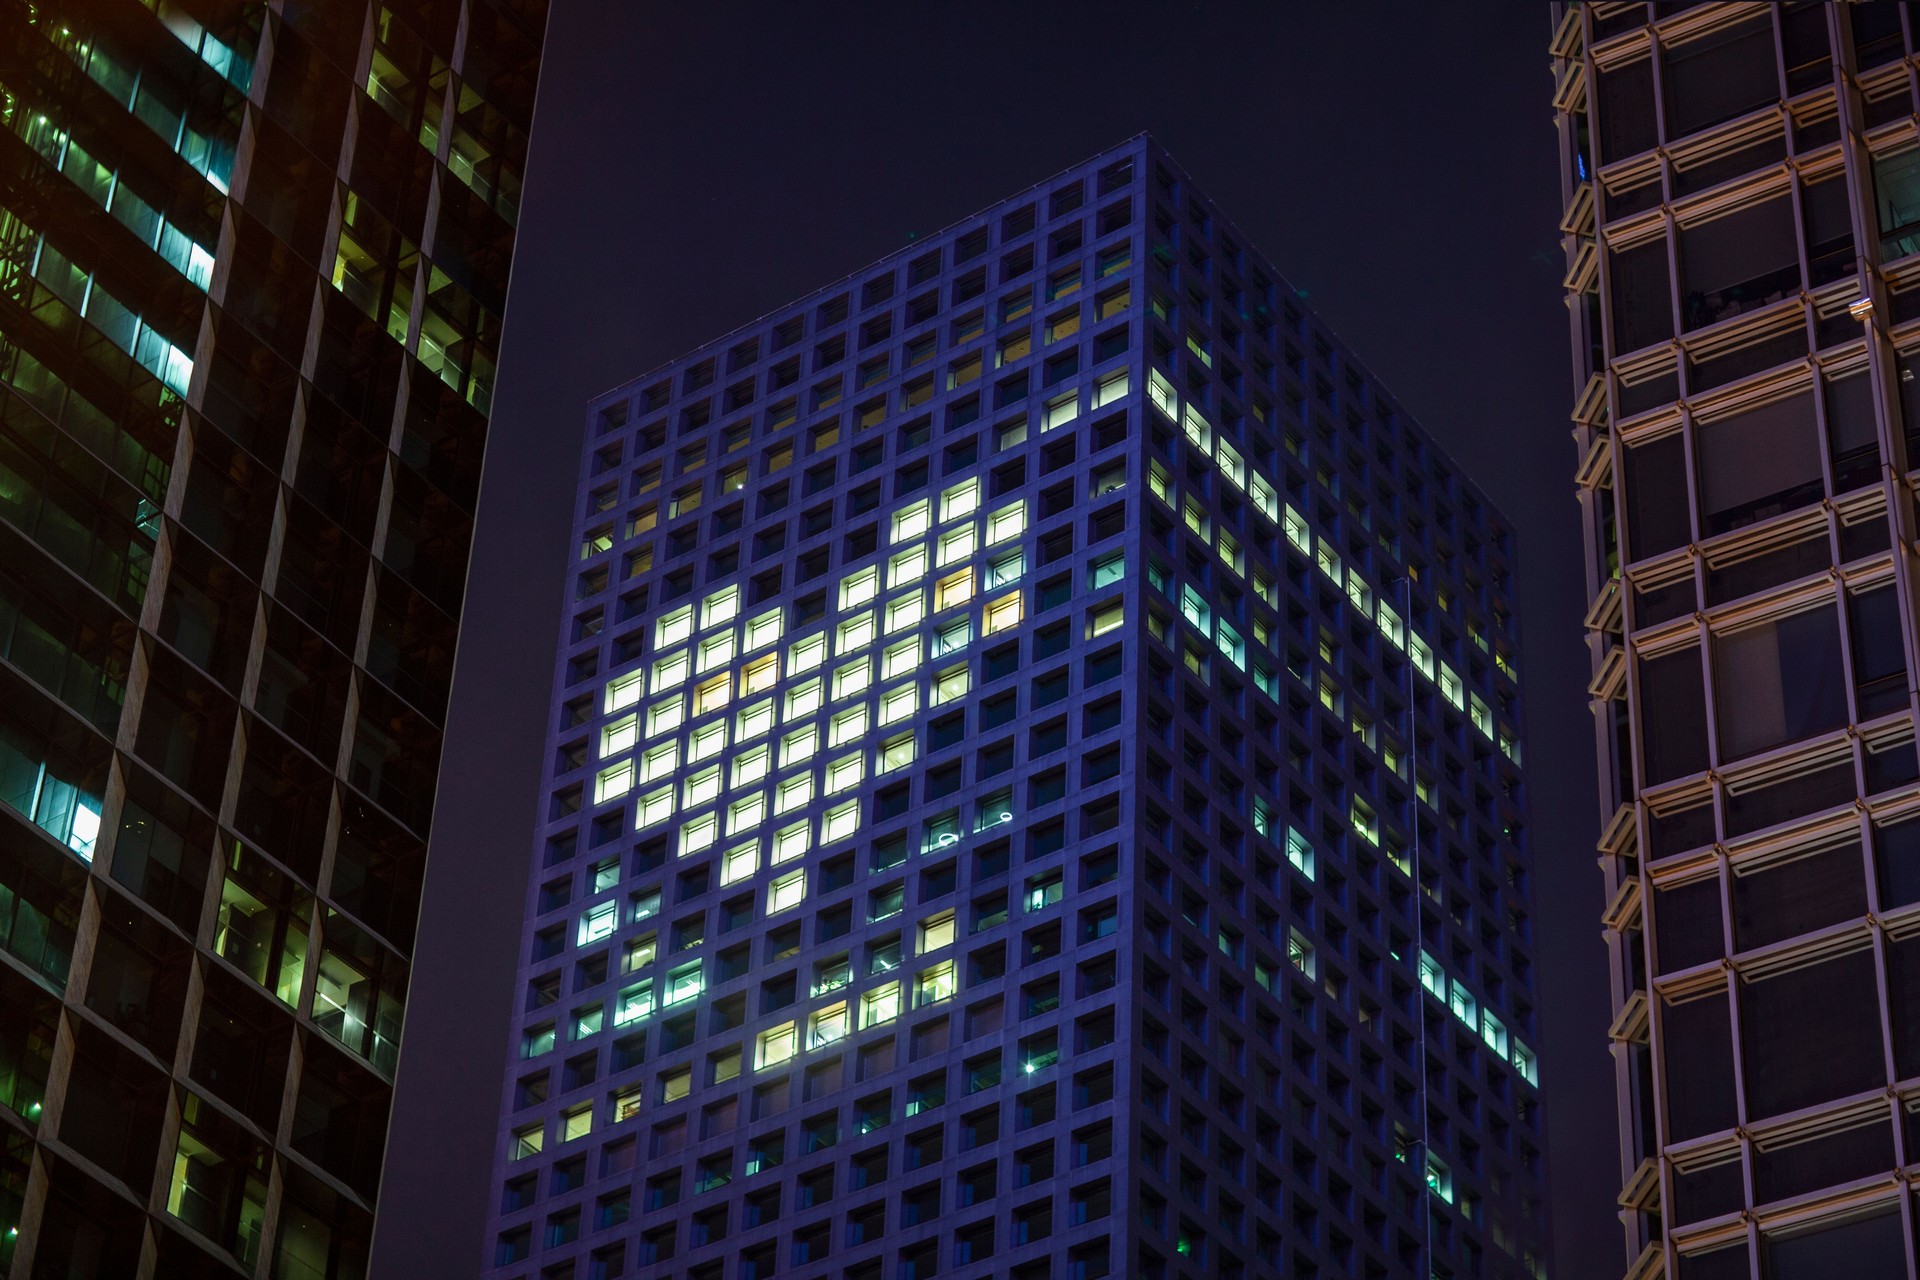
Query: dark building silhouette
x=252 y=264
x=1033 y=790
x=1742 y=188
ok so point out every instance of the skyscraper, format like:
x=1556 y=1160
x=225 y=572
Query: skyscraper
x=1033 y=790
x=1741 y=184
x=252 y=262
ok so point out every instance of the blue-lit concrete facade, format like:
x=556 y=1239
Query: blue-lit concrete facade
x=1033 y=790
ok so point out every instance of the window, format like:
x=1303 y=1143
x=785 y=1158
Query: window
x=845 y=772
x=787 y=892
x=882 y=1004
x=954 y=589
x=794 y=792
x=790 y=842
x=911 y=521
x=1001 y=614
x=960 y=500
x=840 y=822
x=853 y=677
x=829 y=1024
x=623 y=692
x=934 y=985
x=906 y=611
x=854 y=633
x=950 y=684
x=776 y=1045
x=739 y=862
x=859 y=588
x=673 y=628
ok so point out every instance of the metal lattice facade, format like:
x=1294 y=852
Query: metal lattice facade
x=1741 y=186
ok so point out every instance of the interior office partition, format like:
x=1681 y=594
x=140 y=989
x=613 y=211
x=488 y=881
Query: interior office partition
x=1033 y=789
x=253 y=258
x=1741 y=185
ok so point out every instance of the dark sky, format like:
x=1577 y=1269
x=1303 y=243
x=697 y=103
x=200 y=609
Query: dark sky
x=697 y=165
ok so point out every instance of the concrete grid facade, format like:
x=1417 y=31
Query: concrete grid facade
x=1033 y=790
x=252 y=262
x=1742 y=187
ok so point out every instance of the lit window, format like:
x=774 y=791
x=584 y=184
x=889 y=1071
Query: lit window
x=663 y=716
x=898 y=704
x=803 y=700
x=1001 y=614
x=794 y=792
x=798 y=745
x=1263 y=496
x=698 y=834
x=529 y=1141
x=1390 y=627
x=1194 y=609
x=597 y=922
x=619 y=736
x=716 y=651
x=776 y=1045
x=950 y=684
x=1329 y=562
x=706 y=741
x=908 y=566
x=1297 y=532
x=1060 y=411
x=957 y=544
x=754 y=720
x=786 y=893
x=1450 y=686
x=700 y=788
x=1230 y=554
x=962 y=499
x=745 y=815
x=911 y=521
x=882 y=1004
x=633 y=1004
x=954 y=589
x=854 y=633
x=659 y=762
x=936 y=932
x=860 y=588
x=1006 y=568
x=763 y=629
x=676 y=1085
x=1300 y=953
x=895 y=753
x=1008 y=522
x=1365 y=825
x=1198 y=429
x=624 y=692
x=722 y=606
x=933 y=985
x=827 y=1026
x=750 y=766
x=852 y=678
x=907 y=611
x=1160 y=392
x=1359 y=593
x=847 y=726
x=655 y=806
x=805 y=655
x=953 y=637
x=739 y=862
x=1230 y=463
x=840 y=822
x=900 y=659
x=684 y=502
x=1159 y=484
x=759 y=675
x=1422 y=656
x=671 y=670
x=790 y=842
x=711 y=695
x=845 y=772
x=673 y=628
x=613 y=782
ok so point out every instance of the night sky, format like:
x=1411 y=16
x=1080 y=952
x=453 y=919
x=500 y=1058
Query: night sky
x=695 y=166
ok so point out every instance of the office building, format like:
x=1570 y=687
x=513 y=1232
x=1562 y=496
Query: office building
x=252 y=263
x=1741 y=185
x=1033 y=789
